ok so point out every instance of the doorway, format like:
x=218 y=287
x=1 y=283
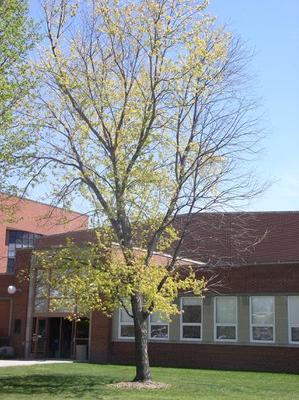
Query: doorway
x=39 y=337
x=57 y=337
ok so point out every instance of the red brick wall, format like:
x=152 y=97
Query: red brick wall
x=19 y=301
x=4 y=317
x=31 y=216
x=5 y=281
x=241 y=238
x=250 y=279
x=100 y=338
x=231 y=357
x=272 y=278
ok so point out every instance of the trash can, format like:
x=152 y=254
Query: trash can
x=81 y=352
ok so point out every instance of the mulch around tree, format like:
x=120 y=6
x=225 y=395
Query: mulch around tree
x=139 y=385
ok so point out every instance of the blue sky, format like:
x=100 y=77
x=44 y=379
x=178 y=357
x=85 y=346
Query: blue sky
x=271 y=29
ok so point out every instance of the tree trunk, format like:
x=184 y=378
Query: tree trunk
x=143 y=373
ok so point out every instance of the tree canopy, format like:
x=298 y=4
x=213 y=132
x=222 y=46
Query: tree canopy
x=142 y=109
x=17 y=37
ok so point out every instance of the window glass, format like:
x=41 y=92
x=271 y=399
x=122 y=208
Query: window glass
x=294 y=310
x=18 y=240
x=226 y=310
x=226 y=332
x=12 y=250
x=158 y=326
x=191 y=319
x=262 y=311
x=10 y=264
x=191 y=331
x=293 y=304
x=262 y=318
x=158 y=318
x=226 y=318
x=126 y=325
x=127 y=331
x=12 y=237
x=191 y=310
x=42 y=288
x=41 y=305
x=264 y=333
x=159 y=331
x=295 y=334
x=124 y=317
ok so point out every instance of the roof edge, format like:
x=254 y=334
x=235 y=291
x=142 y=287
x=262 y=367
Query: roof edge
x=40 y=202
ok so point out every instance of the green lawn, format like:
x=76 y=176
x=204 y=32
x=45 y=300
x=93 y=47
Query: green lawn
x=88 y=381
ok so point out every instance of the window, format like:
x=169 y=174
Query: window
x=42 y=291
x=293 y=311
x=126 y=325
x=262 y=318
x=225 y=312
x=47 y=298
x=191 y=318
x=18 y=240
x=159 y=326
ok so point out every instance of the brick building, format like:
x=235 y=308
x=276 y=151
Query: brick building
x=249 y=320
x=22 y=221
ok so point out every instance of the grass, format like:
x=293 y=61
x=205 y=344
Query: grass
x=88 y=381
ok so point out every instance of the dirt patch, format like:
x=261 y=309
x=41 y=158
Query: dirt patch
x=139 y=385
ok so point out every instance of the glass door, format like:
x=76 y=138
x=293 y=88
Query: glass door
x=81 y=339
x=39 y=343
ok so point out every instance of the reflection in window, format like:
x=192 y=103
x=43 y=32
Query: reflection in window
x=191 y=319
x=159 y=326
x=41 y=305
x=225 y=318
x=42 y=291
x=126 y=325
x=262 y=318
x=47 y=298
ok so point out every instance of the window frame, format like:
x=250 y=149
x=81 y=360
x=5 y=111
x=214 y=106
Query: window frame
x=182 y=324
x=216 y=324
x=18 y=239
x=149 y=329
x=261 y=325
x=289 y=323
x=120 y=324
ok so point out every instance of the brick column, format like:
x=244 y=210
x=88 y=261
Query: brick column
x=100 y=338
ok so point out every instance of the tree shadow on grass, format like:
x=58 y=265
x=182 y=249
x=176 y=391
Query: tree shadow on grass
x=65 y=385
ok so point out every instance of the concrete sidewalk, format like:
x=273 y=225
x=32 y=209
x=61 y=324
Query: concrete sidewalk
x=16 y=363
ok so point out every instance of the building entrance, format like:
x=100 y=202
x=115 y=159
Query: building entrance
x=57 y=337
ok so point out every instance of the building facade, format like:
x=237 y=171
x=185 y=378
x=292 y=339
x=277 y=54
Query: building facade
x=246 y=326
x=248 y=320
x=22 y=222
